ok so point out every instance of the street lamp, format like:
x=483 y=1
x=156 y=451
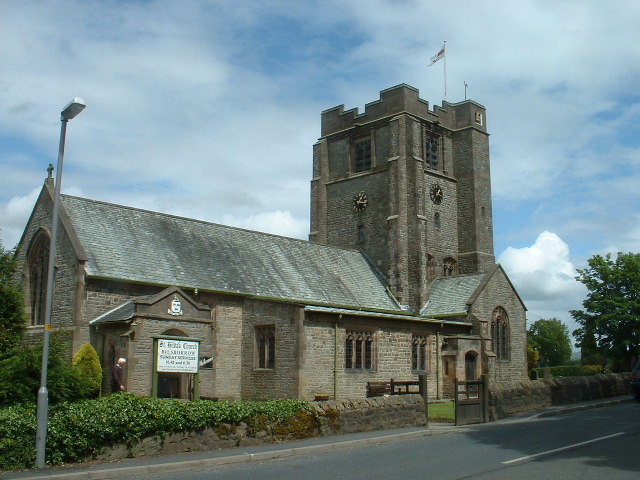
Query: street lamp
x=69 y=112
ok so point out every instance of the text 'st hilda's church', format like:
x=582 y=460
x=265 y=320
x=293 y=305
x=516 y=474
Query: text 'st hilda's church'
x=398 y=279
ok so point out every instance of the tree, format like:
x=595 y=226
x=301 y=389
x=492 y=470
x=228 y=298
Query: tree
x=87 y=364
x=610 y=321
x=533 y=357
x=550 y=337
x=20 y=375
x=12 y=317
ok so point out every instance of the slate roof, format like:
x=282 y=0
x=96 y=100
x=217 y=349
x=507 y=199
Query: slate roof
x=450 y=295
x=128 y=244
x=118 y=314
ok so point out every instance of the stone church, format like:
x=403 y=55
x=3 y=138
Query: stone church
x=398 y=279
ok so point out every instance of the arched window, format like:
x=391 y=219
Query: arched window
x=436 y=220
x=419 y=353
x=38 y=265
x=449 y=267
x=500 y=333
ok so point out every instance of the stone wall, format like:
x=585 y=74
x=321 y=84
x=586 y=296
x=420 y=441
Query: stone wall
x=332 y=418
x=535 y=395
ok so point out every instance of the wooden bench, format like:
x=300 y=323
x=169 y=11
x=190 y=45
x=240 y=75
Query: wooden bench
x=378 y=389
x=392 y=387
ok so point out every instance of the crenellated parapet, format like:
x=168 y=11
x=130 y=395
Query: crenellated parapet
x=404 y=98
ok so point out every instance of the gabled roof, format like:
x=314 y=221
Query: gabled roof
x=128 y=244
x=451 y=295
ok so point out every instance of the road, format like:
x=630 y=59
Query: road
x=591 y=444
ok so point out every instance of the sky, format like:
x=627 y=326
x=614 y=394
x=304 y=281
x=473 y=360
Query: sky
x=209 y=109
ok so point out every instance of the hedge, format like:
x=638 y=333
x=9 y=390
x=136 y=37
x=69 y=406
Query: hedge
x=78 y=430
x=568 y=371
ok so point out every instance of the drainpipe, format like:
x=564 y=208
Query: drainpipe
x=438 y=362
x=335 y=359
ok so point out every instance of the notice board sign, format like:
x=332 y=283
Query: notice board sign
x=180 y=356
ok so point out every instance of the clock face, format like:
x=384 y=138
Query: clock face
x=436 y=194
x=360 y=202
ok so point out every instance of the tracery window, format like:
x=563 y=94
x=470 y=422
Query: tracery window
x=500 y=333
x=362 y=155
x=38 y=261
x=266 y=346
x=358 y=350
x=449 y=267
x=419 y=353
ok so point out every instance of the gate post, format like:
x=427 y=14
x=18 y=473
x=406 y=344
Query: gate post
x=456 y=397
x=424 y=392
x=485 y=398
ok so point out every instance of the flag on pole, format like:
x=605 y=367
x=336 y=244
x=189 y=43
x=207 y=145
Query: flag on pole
x=437 y=56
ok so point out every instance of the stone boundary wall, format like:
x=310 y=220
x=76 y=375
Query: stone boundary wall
x=333 y=417
x=534 y=395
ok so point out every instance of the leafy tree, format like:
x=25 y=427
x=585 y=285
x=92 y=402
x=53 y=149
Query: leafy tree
x=12 y=317
x=20 y=375
x=533 y=357
x=550 y=337
x=610 y=321
x=87 y=364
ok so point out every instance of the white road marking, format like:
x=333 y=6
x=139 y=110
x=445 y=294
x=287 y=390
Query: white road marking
x=555 y=450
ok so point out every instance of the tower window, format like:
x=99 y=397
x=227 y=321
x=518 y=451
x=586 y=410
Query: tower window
x=361 y=233
x=449 y=267
x=431 y=153
x=436 y=220
x=363 y=155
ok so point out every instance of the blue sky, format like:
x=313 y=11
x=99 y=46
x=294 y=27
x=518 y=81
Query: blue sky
x=209 y=109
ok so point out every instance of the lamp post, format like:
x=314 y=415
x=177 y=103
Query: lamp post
x=69 y=112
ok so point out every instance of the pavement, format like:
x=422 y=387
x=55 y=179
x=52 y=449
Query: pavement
x=187 y=461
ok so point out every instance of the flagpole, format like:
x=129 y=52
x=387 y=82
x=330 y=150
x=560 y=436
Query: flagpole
x=445 y=70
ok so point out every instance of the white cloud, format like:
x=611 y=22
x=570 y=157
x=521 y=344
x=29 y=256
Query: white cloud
x=13 y=217
x=209 y=109
x=544 y=276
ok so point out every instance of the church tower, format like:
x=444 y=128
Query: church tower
x=409 y=186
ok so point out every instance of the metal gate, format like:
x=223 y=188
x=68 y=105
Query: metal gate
x=471 y=401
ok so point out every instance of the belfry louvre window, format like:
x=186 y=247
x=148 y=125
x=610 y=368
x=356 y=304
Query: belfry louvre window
x=358 y=350
x=431 y=153
x=500 y=333
x=266 y=346
x=362 y=154
x=419 y=353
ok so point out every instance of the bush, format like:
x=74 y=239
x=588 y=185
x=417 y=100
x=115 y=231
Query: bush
x=20 y=375
x=80 y=429
x=568 y=371
x=87 y=365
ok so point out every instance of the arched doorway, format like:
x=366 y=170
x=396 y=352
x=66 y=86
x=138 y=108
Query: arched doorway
x=178 y=383
x=470 y=366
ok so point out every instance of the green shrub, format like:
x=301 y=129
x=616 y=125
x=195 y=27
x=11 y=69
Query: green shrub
x=78 y=430
x=87 y=365
x=17 y=437
x=568 y=371
x=20 y=375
